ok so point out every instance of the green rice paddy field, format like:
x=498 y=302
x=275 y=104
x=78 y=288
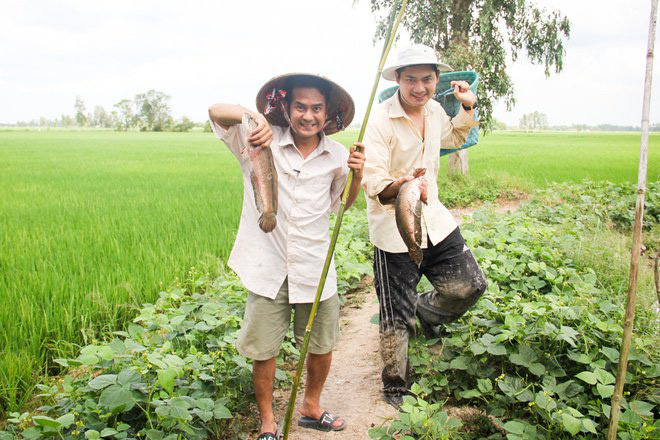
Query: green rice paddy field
x=94 y=223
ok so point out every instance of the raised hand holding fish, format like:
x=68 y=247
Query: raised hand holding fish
x=408 y=213
x=263 y=174
x=260 y=133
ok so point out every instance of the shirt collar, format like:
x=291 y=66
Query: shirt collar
x=287 y=139
x=397 y=111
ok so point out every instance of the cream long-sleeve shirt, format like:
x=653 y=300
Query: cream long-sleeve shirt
x=308 y=189
x=394 y=148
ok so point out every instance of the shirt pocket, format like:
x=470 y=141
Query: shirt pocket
x=313 y=194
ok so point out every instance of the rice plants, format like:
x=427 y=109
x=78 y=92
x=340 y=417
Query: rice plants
x=540 y=158
x=92 y=224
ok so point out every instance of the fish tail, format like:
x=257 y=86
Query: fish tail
x=268 y=221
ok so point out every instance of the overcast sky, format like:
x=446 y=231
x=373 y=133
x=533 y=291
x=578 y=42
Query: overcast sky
x=201 y=52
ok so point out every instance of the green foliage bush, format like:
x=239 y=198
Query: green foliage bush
x=419 y=419
x=353 y=251
x=612 y=203
x=458 y=191
x=174 y=372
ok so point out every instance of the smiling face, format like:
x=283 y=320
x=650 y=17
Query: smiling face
x=417 y=84
x=308 y=111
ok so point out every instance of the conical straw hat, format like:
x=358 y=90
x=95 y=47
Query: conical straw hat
x=339 y=102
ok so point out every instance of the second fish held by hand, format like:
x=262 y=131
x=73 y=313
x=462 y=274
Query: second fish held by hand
x=408 y=212
x=263 y=176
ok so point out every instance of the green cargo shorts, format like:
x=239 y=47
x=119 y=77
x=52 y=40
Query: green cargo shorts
x=266 y=322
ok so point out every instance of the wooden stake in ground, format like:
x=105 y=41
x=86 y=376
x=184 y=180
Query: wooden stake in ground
x=335 y=233
x=615 y=411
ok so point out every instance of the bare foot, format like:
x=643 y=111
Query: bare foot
x=270 y=426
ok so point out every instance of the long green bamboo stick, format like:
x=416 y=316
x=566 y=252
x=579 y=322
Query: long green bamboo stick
x=335 y=233
x=637 y=234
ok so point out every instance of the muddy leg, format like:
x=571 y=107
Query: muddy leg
x=395 y=278
x=394 y=352
x=457 y=280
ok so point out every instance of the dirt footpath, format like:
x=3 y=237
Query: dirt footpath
x=353 y=387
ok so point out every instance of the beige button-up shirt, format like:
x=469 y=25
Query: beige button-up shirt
x=395 y=148
x=308 y=189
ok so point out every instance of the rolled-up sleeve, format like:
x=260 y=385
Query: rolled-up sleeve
x=377 y=161
x=455 y=130
x=232 y=137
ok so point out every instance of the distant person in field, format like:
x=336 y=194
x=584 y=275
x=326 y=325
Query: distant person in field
x=406 y=132
x=281 y=269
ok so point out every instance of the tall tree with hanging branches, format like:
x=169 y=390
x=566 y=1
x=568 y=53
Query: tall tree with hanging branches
x=478 y=34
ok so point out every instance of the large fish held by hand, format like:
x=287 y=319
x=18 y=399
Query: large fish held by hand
x=263 y=176
x=408 y=212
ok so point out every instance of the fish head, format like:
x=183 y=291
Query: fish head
x=419 y=172
x=420 y=180
x=249 y=123
x=423 y=190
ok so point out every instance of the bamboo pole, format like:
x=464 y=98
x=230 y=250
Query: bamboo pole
x=615 y=410
x=389 y=38
x=656 y=275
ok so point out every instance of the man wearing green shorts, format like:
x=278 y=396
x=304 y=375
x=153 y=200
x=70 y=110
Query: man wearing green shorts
x=281 y=269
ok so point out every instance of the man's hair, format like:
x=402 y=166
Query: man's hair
x=433 y=67
x=306 y=82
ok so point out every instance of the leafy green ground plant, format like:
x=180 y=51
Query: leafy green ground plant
x=353 y=251
x=419 y=419
x=611 y=203
x=601 y=215
x=539 y=351
x=174 y=373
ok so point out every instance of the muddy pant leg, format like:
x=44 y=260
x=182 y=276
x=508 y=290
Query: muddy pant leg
x=457 y=279
x=395 y=278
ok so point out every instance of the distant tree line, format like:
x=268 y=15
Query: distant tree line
x=603 y=127
x=536 y=121
x=148 y=111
